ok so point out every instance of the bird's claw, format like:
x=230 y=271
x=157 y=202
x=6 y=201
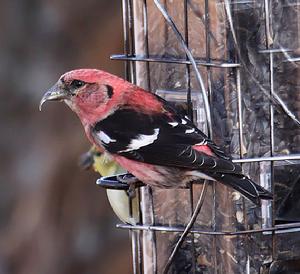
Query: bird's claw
x=131 y=181
x=131 y=191
x=127 y=179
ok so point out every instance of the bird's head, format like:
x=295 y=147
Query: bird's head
x=88 y=92
x=95 y=94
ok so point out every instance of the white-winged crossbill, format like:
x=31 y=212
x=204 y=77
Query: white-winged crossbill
x=146 y=135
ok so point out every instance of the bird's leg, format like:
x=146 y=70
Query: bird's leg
x=131 y=190
x=131 y=181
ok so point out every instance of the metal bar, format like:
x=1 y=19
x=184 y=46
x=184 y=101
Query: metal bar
x=146 y=41
x=134 y=242
x=269 y=43
x=240 y=110
x=188 y=72
x=139 y=253
x=294 y=59
x=131 y=37
x=148 y=83
x=210 y=90
x=125 y=35
x=241 y=134
x=133 y=236
x=280 y=50
x=126 y=48
x=138 y=244
x=154 y=237
x=172 y=60
x=191 y=192
x=190 y=114
x=269 y=158
x=241 y=2
x=278 y=229
x=241 y=143
x=272 y=145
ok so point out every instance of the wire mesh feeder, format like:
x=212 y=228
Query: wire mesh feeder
x=241 y=57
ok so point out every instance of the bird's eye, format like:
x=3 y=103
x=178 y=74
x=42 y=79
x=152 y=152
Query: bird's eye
x=75 y=84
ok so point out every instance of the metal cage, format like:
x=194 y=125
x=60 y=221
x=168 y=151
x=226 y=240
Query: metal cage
x=234 y=66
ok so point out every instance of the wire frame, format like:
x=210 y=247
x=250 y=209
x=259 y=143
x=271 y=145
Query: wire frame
x=242 y=58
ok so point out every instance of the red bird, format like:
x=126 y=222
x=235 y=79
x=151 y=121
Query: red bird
x=145 y=134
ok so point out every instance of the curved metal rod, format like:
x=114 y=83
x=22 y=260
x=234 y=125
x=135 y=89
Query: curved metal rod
x=187 y=228
x=192 y=60
x=208 y=121
x=285 y=228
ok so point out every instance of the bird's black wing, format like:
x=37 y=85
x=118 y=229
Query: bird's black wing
x=161 y=139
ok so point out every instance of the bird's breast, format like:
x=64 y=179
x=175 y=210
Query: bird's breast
x=154 y=175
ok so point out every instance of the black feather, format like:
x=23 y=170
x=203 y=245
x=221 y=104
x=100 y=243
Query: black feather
x=172 y=137
x=173 y=146
x=244 y=185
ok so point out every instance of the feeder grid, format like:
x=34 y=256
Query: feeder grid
x=234 y=65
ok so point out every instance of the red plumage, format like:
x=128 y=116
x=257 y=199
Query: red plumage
x=145 y=134
x=205 y=149
x=124 y=92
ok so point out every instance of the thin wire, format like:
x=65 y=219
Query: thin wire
x=191 y=192
x=241 y=143
x=125 y=35
x=139 y=252
x=207 y=28
x=146 y=41
x=126 y=47
x=154 y=242
x=191 y=115
x=268 y=158
x=187 y=228
x=133 y=236
x=150 y=193
x=174 y=60
x=188 y=72
x=268 y=26
x=286 y=228
x=131 y=37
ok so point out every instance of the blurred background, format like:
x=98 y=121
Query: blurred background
x=53 y=218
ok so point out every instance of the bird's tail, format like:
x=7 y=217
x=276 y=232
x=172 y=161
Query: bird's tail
x=245 y=186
